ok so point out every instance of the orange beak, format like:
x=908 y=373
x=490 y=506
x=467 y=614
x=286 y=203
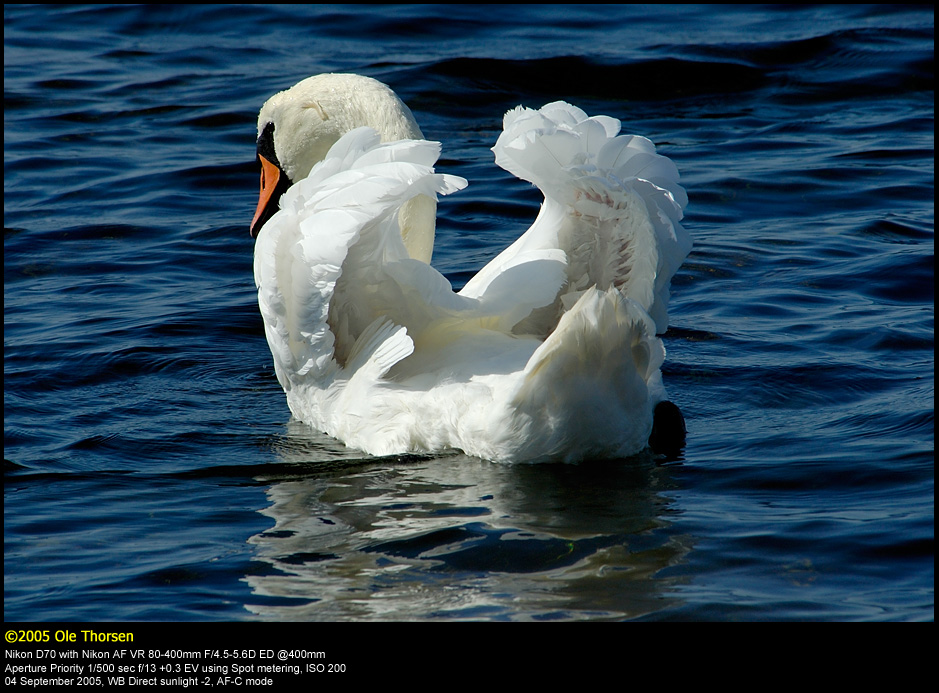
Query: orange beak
x=271 y=189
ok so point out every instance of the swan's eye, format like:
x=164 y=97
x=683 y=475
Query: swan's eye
x=266 y=144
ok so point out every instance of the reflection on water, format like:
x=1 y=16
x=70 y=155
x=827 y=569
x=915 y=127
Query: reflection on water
x=457 y=537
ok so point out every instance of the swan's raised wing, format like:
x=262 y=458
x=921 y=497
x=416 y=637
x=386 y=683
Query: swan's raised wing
x=321 y=261
x=612 y=206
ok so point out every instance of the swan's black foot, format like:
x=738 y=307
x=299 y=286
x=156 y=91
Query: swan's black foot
x=668 y=429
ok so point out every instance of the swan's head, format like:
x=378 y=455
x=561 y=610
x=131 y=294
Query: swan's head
x=297 y=127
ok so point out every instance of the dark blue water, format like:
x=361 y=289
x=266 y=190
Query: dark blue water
x=151 y=467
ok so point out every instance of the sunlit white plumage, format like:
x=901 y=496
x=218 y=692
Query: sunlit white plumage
x=549 y=353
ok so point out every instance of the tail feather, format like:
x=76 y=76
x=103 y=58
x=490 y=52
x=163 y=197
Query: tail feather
x=596 y=377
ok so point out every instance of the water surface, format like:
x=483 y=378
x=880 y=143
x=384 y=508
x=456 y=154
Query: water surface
x=152 y=471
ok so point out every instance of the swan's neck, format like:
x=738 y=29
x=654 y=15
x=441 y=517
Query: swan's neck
x=417 y=220
x=381 y=109
x=316 y=112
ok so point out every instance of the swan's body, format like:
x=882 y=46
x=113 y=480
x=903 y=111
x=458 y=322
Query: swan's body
x=549 y=352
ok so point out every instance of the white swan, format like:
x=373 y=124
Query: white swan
x=549 y=353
